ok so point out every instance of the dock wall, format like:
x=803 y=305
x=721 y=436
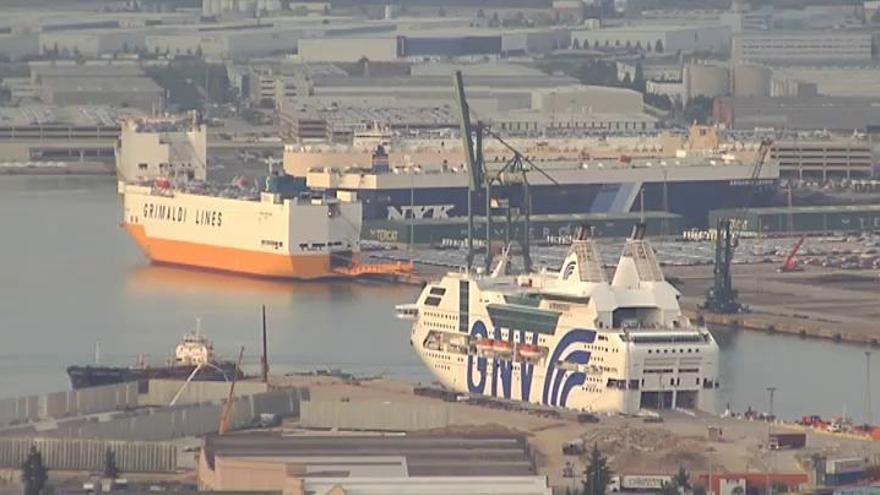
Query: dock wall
x=84 y=454
x=166 y=423
x=380 y=415
x=161 y=392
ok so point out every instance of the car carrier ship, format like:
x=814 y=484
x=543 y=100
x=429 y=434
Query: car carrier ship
x=685 y=185
x=262 y=232
x=571 y=338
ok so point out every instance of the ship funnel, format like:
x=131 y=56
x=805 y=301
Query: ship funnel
x=638 y=262
x=583 y=262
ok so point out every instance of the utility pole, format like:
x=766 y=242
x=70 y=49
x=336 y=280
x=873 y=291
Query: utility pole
x=868 y=414
x=264 y=359
x=772 y=392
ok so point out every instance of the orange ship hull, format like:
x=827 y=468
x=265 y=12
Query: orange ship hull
x=231 y=259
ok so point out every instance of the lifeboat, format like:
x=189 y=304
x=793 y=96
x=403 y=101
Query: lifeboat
x=502 y=347
x=529 y=351
x=485 y=345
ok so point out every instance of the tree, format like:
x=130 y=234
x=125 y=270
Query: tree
x=699 y=110
x=34 y=474
x=494 y=22
x=598 y=474
x=110 y=469
x=638 y=82
x=682 y=479
x=575 y=44
x=627 y=81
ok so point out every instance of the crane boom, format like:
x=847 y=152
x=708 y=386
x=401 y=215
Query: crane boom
x=226 y=418
x=790 y=263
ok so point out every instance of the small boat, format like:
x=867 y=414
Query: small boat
x=194 y=355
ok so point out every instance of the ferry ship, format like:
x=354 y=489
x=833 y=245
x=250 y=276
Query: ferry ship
x=266 y=232
x=570 y=339
x=194 y=355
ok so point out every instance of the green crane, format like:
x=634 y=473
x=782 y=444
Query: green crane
x=722 y=298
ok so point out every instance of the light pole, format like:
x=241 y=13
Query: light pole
x=868 y=415
x=770 y=419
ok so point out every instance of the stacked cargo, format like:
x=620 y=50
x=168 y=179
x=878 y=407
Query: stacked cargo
x=846 y=471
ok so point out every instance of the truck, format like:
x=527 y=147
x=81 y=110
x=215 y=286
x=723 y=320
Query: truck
x=638 y=482
x=780 y=441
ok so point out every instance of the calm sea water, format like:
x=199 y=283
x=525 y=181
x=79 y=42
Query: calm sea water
x=70 y=278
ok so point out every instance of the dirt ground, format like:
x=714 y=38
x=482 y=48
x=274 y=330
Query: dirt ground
x=632 y=446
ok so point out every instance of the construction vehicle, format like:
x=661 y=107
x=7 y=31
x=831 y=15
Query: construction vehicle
x=722 y=298
x=790 y=264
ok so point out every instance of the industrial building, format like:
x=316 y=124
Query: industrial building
x=60 y=133
x=850 y=158
x=375 y=464
x=589 y=99
x=137 y=92
x=350 y=49
x=414 y=42
x=657 y=38
x=19 y=45
x=92 y=43
x=804 y=47
x=810 y=113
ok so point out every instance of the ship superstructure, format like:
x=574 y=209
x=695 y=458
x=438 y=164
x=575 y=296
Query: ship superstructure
x=570 y=338
x=166 y=147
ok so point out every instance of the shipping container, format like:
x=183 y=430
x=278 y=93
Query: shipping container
x=844 y=478
x=847 y=465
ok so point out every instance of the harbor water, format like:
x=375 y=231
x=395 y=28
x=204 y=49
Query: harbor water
x=70 y=278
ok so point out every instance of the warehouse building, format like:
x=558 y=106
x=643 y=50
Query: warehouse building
x=657 y=38
x=136 y=92
x=228 y=43
x=59 y=133
x=810 y=113
x=19 y=45
x=350 y=49
x=803 y=47
x=92 y=43
x=589 y=99
x=383 y=464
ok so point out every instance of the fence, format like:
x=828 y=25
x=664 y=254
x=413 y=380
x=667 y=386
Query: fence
x=83 y=454
x=58 y=405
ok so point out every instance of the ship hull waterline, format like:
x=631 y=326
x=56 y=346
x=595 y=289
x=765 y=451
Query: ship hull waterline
x=231 y=260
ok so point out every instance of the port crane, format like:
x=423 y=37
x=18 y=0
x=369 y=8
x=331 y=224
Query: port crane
x=790 y=264
x=722 y=298
x=511 y=181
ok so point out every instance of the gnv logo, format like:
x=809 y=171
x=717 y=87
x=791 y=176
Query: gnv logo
x=419 y=212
